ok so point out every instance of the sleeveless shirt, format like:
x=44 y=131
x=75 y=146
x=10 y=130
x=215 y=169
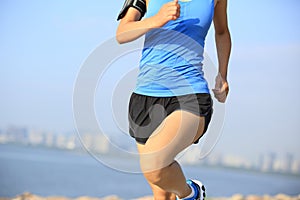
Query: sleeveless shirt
x=172 y=56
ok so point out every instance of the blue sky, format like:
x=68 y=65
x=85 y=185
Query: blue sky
x=44 y=43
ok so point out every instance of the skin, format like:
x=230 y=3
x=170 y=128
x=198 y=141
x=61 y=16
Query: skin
x=180 y=129
x=223 y=44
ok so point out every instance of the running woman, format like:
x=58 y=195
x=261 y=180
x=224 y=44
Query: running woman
x=171 y=106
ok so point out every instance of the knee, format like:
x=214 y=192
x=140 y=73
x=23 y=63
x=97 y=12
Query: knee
x=154 y=163
x=157 y=177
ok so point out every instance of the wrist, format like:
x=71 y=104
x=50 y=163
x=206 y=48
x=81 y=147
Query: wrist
x=223 y=75
x=156 y=22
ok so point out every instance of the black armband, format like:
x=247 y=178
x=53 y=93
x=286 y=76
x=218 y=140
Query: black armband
x=140 y=5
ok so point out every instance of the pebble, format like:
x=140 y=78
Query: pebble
x=29 y=196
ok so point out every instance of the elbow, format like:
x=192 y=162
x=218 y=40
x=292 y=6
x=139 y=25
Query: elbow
x=223 y=36
x=224 y=31
x=120 y=39
x=123 y=38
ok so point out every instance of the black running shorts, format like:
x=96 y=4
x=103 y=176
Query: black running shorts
x=146 y=113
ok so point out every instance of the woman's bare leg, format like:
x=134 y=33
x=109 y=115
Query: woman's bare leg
x=160 y=194
x=178 y=131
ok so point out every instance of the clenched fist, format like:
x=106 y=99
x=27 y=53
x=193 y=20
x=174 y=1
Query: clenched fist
x=169 y=11
x=221 y=89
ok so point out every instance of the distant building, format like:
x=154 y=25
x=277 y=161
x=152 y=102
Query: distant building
x=35 y=137
x=87 y=140
x=60 y=141
x=190 y=156
x=17 y=134
x=295 y=168
x=236 y=161
x=96 y=143
x=214 y=159
x=71 y=142
x=49 y=139
x=3 y=137
x=285 y=164
x=289 y=159
x=101 y=143
x=268 y=162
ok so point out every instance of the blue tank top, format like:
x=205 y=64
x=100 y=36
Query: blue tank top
x=171 y=62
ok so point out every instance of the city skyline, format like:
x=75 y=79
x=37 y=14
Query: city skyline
x=99 y=144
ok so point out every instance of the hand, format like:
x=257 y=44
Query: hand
x=221 y=89
x=169 y=11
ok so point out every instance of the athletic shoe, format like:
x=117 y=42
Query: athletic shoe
x=199 y=189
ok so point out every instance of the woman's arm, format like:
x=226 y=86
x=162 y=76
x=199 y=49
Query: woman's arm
x=223 y=44
x=222 y=36
x=130 y=28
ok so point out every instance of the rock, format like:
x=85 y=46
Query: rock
x=87 y=198
x=295 y=198
x=56 y=198
x=282 y=197
x=146 y=198
x=267 y=197
x=113 y=197
x=237 y=197
x=29 y=196
x=218 y=198
x=253 y=197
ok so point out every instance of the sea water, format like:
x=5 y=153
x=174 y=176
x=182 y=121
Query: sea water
x=48 y=172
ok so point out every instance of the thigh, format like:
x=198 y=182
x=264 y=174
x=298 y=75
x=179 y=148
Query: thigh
x=177 y=131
